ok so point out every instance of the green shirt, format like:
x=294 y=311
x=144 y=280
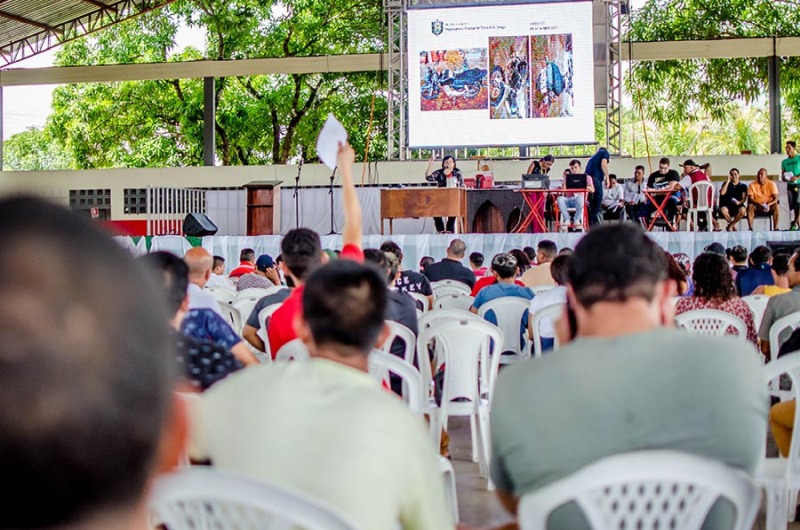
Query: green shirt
x=663 y=389
x=791 y=165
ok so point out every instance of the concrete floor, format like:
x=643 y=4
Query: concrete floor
x=478 y=507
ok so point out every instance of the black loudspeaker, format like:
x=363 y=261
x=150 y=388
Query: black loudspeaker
x=198 y=225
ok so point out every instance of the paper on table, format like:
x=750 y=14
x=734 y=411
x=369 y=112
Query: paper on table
x=331 y=135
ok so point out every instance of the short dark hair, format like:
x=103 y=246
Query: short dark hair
x=792 y=143
x=476 y=258
x=559 y=269
x=739 y=253
x=530 y=252
x=247 y=254
x=639 y=167
x=574 y=161
x=302 y=251
x=344 y=304
x=664 y=160
x=780 y=264
x=712 y=277
x=547 y=247
x=381 y=260
x=760 y=255
x=218 y=260
x=523 y=261
x=174 y=275
x=87 y=378
x=394 y=248
x=630 y=267
x=505 y=265
x=612 y=176
x=425 y=261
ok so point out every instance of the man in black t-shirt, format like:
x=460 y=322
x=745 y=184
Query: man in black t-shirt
x=664 y=178
x=450 y=268
x=409 y=281
x=732 y=200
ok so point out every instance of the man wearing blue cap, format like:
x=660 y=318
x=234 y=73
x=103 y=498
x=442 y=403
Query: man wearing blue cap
x=264 y=277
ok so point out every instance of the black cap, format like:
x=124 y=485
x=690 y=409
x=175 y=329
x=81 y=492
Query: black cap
x=715 y=248
x=690 y=162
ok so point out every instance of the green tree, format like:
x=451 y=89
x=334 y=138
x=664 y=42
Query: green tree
x=34 y=150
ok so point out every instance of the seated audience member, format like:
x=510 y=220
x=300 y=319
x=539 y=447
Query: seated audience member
x=566 y=251
x=490 y=280
x=556 y=295
x=635 y=199
x=247 y=263
x=264 y=276
x=202 y=363
x=476 y=264
x=685 y=263
x=664 y=179
x=531 y=253
x=676 y=274
x=346 y=441
x=613 y=203
x=504 y=268
x=543 y=430
x=400 y=307
x=781 y=415
x=450 y=268
x=780 y=275
x=218 y=278
x=302 y=253
x=576 y=201
x=758 y=273
x=199 y=261
x=424 y=262
x=738 y=260
x=714 y=289
x=546 y=252
x=203 y=324
x=88 y=373
x=732 y=200
x=252 y=326
x=781 y=305
x=762 y=199
x=409 y=281
x=523 y=261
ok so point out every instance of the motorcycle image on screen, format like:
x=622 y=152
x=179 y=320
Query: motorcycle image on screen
x=465 y=84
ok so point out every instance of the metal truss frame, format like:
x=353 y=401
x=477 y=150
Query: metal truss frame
x=51 y=36
x=614 y=76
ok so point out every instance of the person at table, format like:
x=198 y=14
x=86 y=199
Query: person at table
x=573 y=200
x=762 y=197
x=635 y=200
x=664 y=179
x=541 y=166
x=732 y=201
x=597 y=168
x=613 y=201
x=448 y=176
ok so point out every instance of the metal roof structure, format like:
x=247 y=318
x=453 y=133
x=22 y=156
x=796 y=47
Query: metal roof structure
x=28 y=27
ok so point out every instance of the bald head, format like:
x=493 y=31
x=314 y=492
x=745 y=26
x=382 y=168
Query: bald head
x=199 y=261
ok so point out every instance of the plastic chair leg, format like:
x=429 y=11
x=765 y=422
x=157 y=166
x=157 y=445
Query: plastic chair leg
x=776 y=506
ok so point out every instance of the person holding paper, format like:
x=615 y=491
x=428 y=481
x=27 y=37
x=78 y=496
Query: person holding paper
x=449 y=176
x=790 y=173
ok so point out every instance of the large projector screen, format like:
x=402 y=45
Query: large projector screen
x=501 y=75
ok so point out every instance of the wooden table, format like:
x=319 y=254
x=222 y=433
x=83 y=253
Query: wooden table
x=400 y=203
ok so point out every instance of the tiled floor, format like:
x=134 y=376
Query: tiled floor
x=478 y=506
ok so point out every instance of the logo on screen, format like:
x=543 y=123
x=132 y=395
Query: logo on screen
x=437 y=26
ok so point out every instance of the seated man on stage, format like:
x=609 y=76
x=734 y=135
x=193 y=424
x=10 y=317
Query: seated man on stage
x=762 y=197
x=613 y=202
x=449 y=176
x=573 y=200
x=635 y=200
x=664 y=179
x=732 y=200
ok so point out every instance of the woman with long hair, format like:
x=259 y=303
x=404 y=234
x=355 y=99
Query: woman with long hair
x=448 y=176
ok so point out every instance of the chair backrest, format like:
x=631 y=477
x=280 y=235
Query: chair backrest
x=209 y=499
x=711 y=322
x=780 y=331
x=445 y=315
x=789 y=364
x=232 y=316
x=757 y=304
x=646 y=490
x=399 y=331
x=453 y=301
x=420 y=300
x=257 y=292
x=509 y=312
x=539 y=289
x=294 y=350
x=552 y=312
x=245 y=307
x=443 y=287
x=381 y=364
x=263 y=322
x=701 y=195
x=221 y=294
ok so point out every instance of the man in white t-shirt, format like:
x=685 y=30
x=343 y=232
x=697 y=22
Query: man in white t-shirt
x=556 y=295
x=218 y=278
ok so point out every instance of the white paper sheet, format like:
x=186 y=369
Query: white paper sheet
x=331 y=135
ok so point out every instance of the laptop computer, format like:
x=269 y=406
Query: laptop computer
x=576 y=181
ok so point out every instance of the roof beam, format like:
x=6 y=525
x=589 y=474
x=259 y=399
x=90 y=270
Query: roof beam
x=28 y=21
x=101 y=5
x=711 y=49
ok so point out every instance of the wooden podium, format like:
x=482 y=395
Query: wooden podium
x=399 y=203
x=263 y=207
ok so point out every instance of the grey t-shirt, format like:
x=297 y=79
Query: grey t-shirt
x=662 y=389
x=778 y=307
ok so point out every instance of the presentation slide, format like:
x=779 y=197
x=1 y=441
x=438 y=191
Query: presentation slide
x=501 y=75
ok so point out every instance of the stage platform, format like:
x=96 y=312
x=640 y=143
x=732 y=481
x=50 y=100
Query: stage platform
x=416 y=246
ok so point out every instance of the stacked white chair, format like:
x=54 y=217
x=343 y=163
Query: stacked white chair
x=382 y=363
x=509 y=312
x=553 y=312
x=780 y=477
x=232 y=316
x=711 y=322
x=701 y=199
x=420 y=300
x=221 y=294
x=294 y=350
x=454 y=301
x=443 y=287
x=757 y=304
x=646 y=490
x=209 y=499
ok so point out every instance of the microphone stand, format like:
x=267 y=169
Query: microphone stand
x=330 y=192
x=296 y=195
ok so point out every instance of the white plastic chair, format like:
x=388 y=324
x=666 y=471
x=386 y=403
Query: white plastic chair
x=420 y=301
x=757 y=304
x=539 y=289
x=780 y=331
x=263 y=321
x=509 y=312
x=701 y=198
x=439 y=316
x=257 y=292
x=454 y=301
x=209 y=499
x=444 y=287
x=382 y=363
x=779 y=476
x=294 y=350
x=399 y=331
x=449 y=476
x=553 y=312
x=232 y=316
x=221 y=294
x=711 y=322
x=470 y=376
x=645 y=490
x=245 y=307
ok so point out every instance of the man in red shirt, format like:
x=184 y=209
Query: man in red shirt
x=302 y=253
x=247 y=263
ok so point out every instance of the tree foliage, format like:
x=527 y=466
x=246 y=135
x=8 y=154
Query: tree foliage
x=33 y=150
